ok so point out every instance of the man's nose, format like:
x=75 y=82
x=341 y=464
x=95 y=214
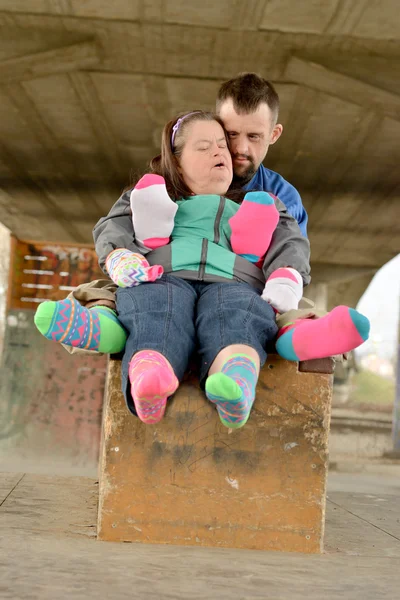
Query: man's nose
x=239 y=146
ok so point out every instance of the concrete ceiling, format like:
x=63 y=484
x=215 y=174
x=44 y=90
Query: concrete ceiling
x=86 y=86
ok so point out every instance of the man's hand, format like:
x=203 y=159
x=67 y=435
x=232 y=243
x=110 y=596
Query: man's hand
x=129 y=269
x=284 y=289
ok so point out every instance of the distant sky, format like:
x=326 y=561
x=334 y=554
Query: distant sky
x=380 y=303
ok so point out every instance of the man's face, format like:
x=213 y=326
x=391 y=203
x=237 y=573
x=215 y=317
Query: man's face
x=250 y=136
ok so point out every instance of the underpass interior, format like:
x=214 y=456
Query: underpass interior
x=85 y=89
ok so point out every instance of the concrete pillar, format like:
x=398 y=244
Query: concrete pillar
x=318 y=293
x=396 y=409
x=4 y=275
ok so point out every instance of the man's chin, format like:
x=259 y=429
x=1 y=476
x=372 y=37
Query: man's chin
x=243 y=176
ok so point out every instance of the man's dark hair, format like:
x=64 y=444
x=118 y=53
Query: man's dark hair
x=247 y=91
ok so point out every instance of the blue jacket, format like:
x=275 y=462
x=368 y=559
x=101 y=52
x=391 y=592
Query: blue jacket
x=268 y=181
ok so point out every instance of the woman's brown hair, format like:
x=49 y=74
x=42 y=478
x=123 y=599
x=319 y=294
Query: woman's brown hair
x=173 y=140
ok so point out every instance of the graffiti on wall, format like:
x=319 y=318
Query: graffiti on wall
x=51 y=402
x=49 y=272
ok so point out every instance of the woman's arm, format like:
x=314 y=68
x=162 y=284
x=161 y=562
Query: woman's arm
x=115 y=231
x=120 y=255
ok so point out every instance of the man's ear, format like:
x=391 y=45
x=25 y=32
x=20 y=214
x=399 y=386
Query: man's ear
x=276 y=133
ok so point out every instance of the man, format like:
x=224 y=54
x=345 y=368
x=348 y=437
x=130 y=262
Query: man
x=249 y=107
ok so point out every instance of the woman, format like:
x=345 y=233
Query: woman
x=195 y=291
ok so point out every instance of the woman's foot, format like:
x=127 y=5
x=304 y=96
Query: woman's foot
x=152 y=382
x=232 y=390
x=341 y=330
x=74 y=325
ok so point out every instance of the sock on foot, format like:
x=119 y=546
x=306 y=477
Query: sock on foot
x=152 y=382
x=341 y=330
x=253 y=225
x=232 y=390
x=71 y=324
x=153 y=211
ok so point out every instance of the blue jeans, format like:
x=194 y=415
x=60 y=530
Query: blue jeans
x=176 y=317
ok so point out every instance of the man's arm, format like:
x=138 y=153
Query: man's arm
x=290 y=197
x=115 y=231
x=288 y=248
x=302 y=219
x=270 y=181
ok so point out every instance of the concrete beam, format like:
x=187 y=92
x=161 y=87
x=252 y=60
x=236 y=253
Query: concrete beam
x=58 y=60
x=68 y=175
x=42 y=194
x=349 y=89
x=91 y=103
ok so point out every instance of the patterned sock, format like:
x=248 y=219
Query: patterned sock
x=233 y=390
x=153 y=211
x=70 y=323
x=341 y=330
x=253 y=225
x=152 y=382
x=129 y=269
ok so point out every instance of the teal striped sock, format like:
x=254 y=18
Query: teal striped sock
x=232 y=390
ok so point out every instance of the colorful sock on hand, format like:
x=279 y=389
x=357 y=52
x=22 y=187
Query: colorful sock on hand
x=152 y=382
x=130 y=269
x=253 y=225
x=283 y=289
x=74 y=325
x=153 y=212
x=232 y=390
x=341 y=330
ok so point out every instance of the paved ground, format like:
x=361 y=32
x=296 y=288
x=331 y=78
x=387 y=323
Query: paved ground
x=48 y=549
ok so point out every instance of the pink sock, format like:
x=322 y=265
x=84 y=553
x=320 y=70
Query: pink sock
x=253 y=225
x=341 y=330
x=152 y=382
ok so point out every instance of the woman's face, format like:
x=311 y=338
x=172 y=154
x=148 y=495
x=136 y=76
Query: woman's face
x=205 y=161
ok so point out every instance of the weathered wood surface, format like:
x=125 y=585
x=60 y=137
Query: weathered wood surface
x=189 y=480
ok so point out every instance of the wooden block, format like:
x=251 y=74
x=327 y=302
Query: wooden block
x=189 y=480
x=319 y=365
